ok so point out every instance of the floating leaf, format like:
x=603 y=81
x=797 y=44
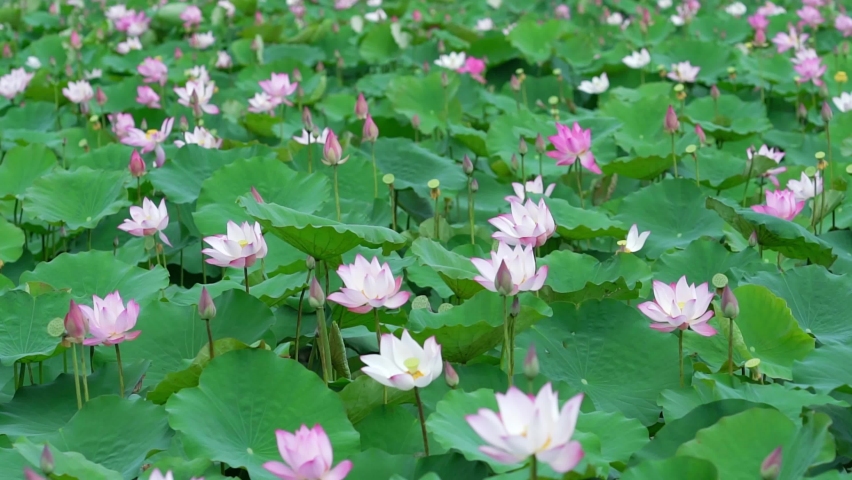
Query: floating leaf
x=23 y=331
x=22 y=166
x=88 y=196
x=619 y=277
x=455 y=270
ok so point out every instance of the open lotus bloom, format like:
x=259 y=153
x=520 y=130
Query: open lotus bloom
x=807 y=187
x=572 y=144
x=684 y=72
x=147 y=220
x=521 y=264
x=527 y=224
x=771 y=153
x=635 y=241
x=307 y=455
x=239 y=248
x=151 y=140
x=596 y=85
x=403 y=364
x=529 y=426
x=782 y=204
x=534 y=186
x=109 y=321
x=680 y=306
x=368 y=285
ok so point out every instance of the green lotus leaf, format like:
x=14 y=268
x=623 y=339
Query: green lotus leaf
x=88 y=196
x=23 y=331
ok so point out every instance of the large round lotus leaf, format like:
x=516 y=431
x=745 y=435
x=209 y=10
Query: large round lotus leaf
x=674 y=212
x=78 y=199
x=413 y=166
x=114 y=157
x=364 y=395
x=372 y=464
x=67 y=464
x=677 y=468
x=735 y=119
x=576 y=223
x=738 y=444
x=456 y=270
x=535 y=39
x=172 y=335
x=702 y=259
x=619 y=277
x=23 y=329
x=11 y=241
x=593 y=349
x=394 y=430
x=99 y=273
x=243 y=397
x=22 y=166
x=423 y=96
x=219 y=193
x=824 y=368
x=118 y=433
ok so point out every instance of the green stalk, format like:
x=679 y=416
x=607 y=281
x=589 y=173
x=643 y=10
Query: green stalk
x=674 y=156
x=375 y=174
x=506 y=341
x=680 y=353
x=324 y=347
x=85 y=376
x=120 y=371
x=731 y=347
x=533 y=468
x=76 y=376
x=470 y=211
x=379 y=344
x=336 y=194
x=422 y=420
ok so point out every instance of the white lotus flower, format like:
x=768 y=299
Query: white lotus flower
x=843 y=102
x=736 y=9
x=403 y=364
x=637 y=59
x=451 y=61
x=805 y=188
x=635 y=241
x=596 y=86
x=615 y=19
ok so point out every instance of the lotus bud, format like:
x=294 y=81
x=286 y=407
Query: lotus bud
x=802 y=111
x=467 y=166
x=515 y=309
x=332 y=152
x=826 y=112
x=474 y=186
x=371 y=130
x=540 y=146
x=206 y=307
x=75 y=323
x=46 y=463
x=307 y=119
x=320 y=67
x=760 y=37
x=7 y=51
x=115 y=242
x=671 y=123
x=76 y=41
x=515 y=83
x=100 y=96
x=503 y=280
x=258 y=17
x=771 y=466
x=450 y=375
x=531 y=366
x=361 y=107
x=752 y=239
x=415 y=122
x=310 y=263
x=137 y=165
x=441 y=47
x=417 y=16
x=700 y=132
x=144 y=125
x=714 y=92
x=522 y=146
x=178 y=53
x=183 y=123
x=730 y=306
x=297 y=75
x=316 y=297
x=445 y=80
x=29 y=474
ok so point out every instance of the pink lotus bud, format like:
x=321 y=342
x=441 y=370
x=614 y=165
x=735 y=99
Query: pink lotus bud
x=514 y=162
x=700 y=132
x=515 y=309
x=320 y=67
x=7 y=51
x=69 y=70
x=76 y=42
x=371 y=131
x=562 y=11
x=46 y=462
x=415 y=121
x=503 y=280
x=332 y=152
x=100 y=96
x=467 y=165
x=183 y=123
x=826 y=112
x=474 y=186
x=802 y=111
x=522 y=146
x=256 y=195
x=316 y=297
x=441 y=47
x=258 y=18
x=531 y=366
x=361 y=107
x=671 y=123
x=31 y=475
x=450 y=375
x=730 y=306
x=714 y=92
x=137 y=165
x=297 y=75
x=417 y=16
x=307 y=119
x=75 y=323
x=540 y=146
x=178 y=53
x=206 y=307
x=771 y=466
x=515 y=83
x=760 y=37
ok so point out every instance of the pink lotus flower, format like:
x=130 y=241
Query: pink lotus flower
x=368 y=285
x=527 y=224
x=769 y=9
x=263 y=103
x=191 y=16
x=811 y=70
x=197 y=94
x=122 y=123
x=803 y=55
x=279 y=87
x=475 y=67
x=14 y=83
x=151 y=140
x=679 y=307
x=239 y=248
x=223 y=60
x=684 y=72
x=810 y=16
x=562 y=11
x=147 y=220
x=520 y=262
x=404 y=364
x=146 y=96
x=535 y=186
x=571 y=144
x=79 y=92
x=782 y=204
x=776 y=155
x=202 y=40
x=109 y=321
x=793 y=39
x=76 y=326
x=153 y=70
x=307 y=455
x=844 y=24
x=758 y=21
x=133 y=24
x=529 y=426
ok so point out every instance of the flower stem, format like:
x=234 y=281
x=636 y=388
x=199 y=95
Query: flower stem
x=310 y=155
x=210 y=340
x=84 y=375
x=375 y=174
x=422 y=420
x=323 y=347
x=76 y=375
x=533 y=468
x=523 y=170
x=540 y=167
x=748 y=179
x=437 y=223
x=336 y=194
x=731 y=347
x=379 y=344
x=680 y=353
x=470 y=211
x=245 y=274
x=120 y=371
x=299 y=318
x=674 y=156
x=506 y=341
x=580 y=183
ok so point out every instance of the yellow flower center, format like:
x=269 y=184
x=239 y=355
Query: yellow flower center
x=243 y=243
x=680 y=305
x=623 y=245
x=413 y=365
x=150 y=133
x=841 y=77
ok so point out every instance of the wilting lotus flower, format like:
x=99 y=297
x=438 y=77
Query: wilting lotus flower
x=529 y=426
x=638 y=59
x=307 y=455
x=197 y=94
x=535 y=186
x=79 y=92
x=452 y=61
x=785 y=41
x=147 y=220
x=151 y=140
x=683 y=72
x=805 y=188
x=202 y=40
x=527 y=224
x=122 y=123
x=146 y=96
x=679 y=307
x=305 y=138
x=843 y=102
x=153 y=70
x=368 y=285
x=780 y=203
x=571 y=144
x=109 y=321
x=635 y=241
x=403 y=364
x=191 y=16
x=521 y=264
x=239 y=248
x=126 y=46
x=776 y=155
x=279 y=87
x=14 y=83
x=201 y=137
x=597 y=85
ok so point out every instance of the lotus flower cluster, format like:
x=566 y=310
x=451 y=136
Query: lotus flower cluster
x=368 y=285
x=680 y=306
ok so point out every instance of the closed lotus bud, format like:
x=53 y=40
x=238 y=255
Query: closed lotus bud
x=320 y=67
x=307 y=119
x=29 y=474
x=826 y=112
x=522 y=146
x=514 y=162
x=332 y=152
x=531 y=366
x=752 y=239
x=445 y=80
x=730 y=306
x=75 y=322
x=178 y=53
x=46 y=463
x=771 y=466
x=415 y=122
x=256 y=195
x=297 y=75
x=503 y=280
x=417 y=16
x=474 y=186
x=540 y=146
x=450 y=375
x=515 y=83
x=671 y=123
x=137 y=165
x=700 y=132
x=183 y=123
x=760 y=37
x=206 y=307
x=714 y=92
x=310 y=263
x=316 y=297
x=371 y=130
x=76 y=41
x=100 y=96
x=441 y=47
x=361 y=107
x=515 y=309
x=7 y=51
x=802 y=111
x=467 y=166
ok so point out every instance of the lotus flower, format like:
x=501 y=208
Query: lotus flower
x=229 y=7
x=520 y=262
x=452 y=61
x=14 y=83
x=368 y=285
x=758 y=21
x=122 y=123
x=153 y=70
x=306 y=138
x=776 y=155
x=769 y=9
x=736 y=9
x=635 y=241
x=680 y=306
x=684 y=72
x=843 y=102
x=199 y=136
x=638 y=59
x=793 y=39
x=810 y=16
x=79 y=92
x=202 y=40
x=239 y=248
x=307 y=455
x=76 y=324
x=146 y=96
x=529 y=426
x=191 y=16
x=571 y=144
x=133 y=23
x=223 y=60
x=843 y=23
x=279 y=87
x=197 y=94
x=596 y=86
x=403 y=364
x=147 y=220
x=263 y=103
x=475 y=67
x=535 y=186
x=109 y=321
x=151 y=140
x=805 y=188
x=781 y=204
x=527 y=224
x=811 y=69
